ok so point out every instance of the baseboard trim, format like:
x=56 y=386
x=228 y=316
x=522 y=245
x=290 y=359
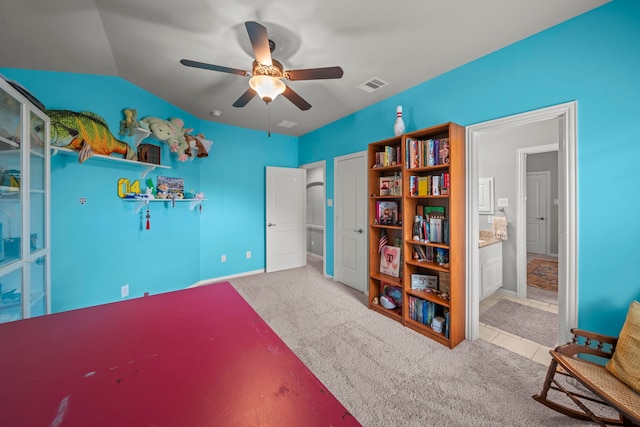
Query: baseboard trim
x=219 y=279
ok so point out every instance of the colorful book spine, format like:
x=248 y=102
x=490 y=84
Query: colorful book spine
x=446 y=324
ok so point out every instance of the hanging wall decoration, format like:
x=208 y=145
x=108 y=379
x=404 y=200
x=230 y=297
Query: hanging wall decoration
x=87 y=133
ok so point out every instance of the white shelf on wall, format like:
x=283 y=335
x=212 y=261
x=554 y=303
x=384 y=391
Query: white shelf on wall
x=148 y=166
x=142 y=203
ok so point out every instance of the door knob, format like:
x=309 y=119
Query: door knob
x=359 y=231
x=541 y=218
x=270 y=225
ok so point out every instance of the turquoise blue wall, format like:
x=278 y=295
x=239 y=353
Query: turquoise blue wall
x=101 y=245
x=593 y=59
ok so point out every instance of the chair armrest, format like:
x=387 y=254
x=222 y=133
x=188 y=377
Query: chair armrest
x=587 y=342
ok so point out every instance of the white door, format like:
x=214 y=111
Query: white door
x=285 y=203
x=350 y=219
x=537 y=221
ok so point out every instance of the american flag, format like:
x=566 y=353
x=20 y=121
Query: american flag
x=383 y=240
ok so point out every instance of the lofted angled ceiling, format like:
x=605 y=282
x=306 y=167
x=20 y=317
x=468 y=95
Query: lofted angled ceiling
x=403 y=43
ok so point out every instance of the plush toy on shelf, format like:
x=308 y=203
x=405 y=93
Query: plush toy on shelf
x=170 y=131
x=198 y=142
x=130 y=123
x=162 y=191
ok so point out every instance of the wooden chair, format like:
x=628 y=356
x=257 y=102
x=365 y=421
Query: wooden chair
x=606 y=388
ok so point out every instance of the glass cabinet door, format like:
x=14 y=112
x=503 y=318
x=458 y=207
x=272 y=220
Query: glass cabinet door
x=38 y=162
x=37 y=182
x=10 y=167
x=24 y=207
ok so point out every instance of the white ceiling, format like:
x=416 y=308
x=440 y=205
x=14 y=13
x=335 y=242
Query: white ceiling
x=403 y=42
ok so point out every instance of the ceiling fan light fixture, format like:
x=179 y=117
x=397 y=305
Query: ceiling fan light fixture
x=267 y=87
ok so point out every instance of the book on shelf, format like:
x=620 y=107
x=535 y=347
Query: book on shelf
x=390 y=156
x=435 y=230
x=446 y=323
x=423 y=186
x=425 y=312
x=433 y=211
x=444 y=281
x=391 y=185
x=421 y=282
x=387 y=212
x=385 y=185
x=429 y=152
x=444 y=151
x=435 y=185
x=422 y=253
x=390 y=260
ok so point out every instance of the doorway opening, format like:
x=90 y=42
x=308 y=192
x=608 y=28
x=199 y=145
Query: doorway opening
x=315 y=216
x=539 y=280
x=565 y=115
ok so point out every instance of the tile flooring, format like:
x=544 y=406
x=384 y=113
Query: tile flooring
x=516 y=344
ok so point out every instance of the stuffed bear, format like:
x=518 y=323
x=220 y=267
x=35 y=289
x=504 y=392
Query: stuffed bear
x=171 y=131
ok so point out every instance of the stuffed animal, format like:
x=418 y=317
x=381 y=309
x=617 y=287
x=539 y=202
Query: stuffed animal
x=170 y=131
x=162 y=191
x=130 y=123
x=197 y=142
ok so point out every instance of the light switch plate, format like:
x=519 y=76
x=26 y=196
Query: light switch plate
x=503 y=203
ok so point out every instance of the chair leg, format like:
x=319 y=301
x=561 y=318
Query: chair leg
x=551 y=383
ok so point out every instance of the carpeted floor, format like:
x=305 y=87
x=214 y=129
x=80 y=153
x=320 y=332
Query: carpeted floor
x=542 y=273
x=524 y=321
x=389 y=375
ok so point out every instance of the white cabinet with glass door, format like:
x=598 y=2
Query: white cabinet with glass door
x=24 y=207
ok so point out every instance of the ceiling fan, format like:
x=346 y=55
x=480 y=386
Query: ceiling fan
x=267 y=73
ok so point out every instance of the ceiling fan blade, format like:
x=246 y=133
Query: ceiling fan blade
x=212 y=67
x=296 y=99
x=259 y=42
x=245 y=98
x=314 y=73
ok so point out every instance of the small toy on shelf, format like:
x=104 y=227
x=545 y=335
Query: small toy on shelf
x=198 y=142
x=162 y=191
x=130 y=123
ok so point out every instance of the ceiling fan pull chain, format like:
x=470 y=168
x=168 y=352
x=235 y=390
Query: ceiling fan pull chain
x=269 y=120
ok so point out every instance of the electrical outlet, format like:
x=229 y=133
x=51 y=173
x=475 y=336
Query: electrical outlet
x=223 y=258
x=124 y=291
x=248 y=254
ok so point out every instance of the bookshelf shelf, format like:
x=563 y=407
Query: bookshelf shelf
x=433 y=190
x=395 y=314
x=428 y=297
x=395 y=281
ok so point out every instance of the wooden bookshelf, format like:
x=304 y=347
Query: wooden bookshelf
x=450 y=247
x=381 y=167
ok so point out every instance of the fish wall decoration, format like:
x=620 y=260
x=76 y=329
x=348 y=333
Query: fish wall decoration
x=87 y=133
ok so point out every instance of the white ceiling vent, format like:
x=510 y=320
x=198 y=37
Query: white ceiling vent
x=287 y=124
x=372 y=85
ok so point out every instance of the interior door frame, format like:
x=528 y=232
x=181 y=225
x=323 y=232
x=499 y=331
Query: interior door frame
x=322 y=164
x=336 y=229
x=567 y=216
x=521 y=242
